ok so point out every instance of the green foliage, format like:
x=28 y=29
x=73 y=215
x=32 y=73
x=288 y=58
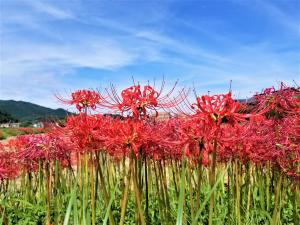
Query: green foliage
x=24 y=201
x=71 y=202
x=12 y=132
x=26 y=124
x=2 y=135
x=22 y=212
x=6 y=117
x=181 y=196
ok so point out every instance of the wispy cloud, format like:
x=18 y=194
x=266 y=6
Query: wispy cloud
x=95 y=53
x=44 y=7
x=275 y=13
x=49 y=46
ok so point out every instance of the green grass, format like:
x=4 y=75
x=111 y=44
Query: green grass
x=12 y=132
x=25 y=201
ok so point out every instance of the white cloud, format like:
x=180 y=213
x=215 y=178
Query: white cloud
x=96 y=53
x=44 y=7
x=33 y=66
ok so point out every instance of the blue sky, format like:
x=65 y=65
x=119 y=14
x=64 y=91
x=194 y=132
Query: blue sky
x=59 y=46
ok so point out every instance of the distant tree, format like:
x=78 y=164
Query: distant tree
x=26 y=124
x=7 y=118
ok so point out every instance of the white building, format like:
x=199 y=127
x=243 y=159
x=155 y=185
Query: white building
x=38 y=125
x=10 y=125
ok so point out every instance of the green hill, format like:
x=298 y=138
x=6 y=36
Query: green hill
x=6 y=118
x=26 y=111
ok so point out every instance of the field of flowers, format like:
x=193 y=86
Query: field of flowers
x=214 y=161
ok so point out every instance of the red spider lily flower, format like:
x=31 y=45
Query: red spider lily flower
x=124 y=137
x=84 y=99
x=164 y=140
x=175 y=138
x=195 y=134
x=8 y=165
x=276 y=138
x=287 y=144
x=265 y=141
x=233 y=143
x=9 y=168
x=278 y=103
x=217 y=121
x=139 y=101
x=212 y=114
x=142 y=139
x=218 y=108
x=83 y=130
x=41 y=148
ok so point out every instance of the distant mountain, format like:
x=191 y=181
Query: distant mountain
x=242 y=100
x=26 y=111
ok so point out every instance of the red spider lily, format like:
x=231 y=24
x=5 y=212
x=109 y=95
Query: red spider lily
x=41 y=148
x=179 y=137
x=279 y=131
x=143 y=139
x=139 y=102
x=83 y=130
x=218 y=108
x=265 y=141
x=203 y=130
x=217 y=122
x=287 y=145
x=9 y=168
x=278 y=103
x=165 y=141
x=195 y=136
x=8 y=165
x=123 y=137
x=84 y=99
x=233 y=144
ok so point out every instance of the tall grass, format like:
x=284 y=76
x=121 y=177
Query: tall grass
x=239 y=196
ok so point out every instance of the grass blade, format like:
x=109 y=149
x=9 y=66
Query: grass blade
x=2 y=218
x=112 y=197
x=68 y=212
x=181 y=195
x=208 y=197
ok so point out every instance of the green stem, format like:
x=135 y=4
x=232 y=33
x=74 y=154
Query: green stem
x=160 y=195
x=48 y=188
x=138 y=199
x=146 y=187
x=105 y=194
x=212 y=178
x=199 y=180
x=249 y=185
x=276 y=210
x=238 y=195
x=125 y=194
x=93 y=193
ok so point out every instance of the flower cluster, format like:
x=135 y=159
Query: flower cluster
x=138 y=101
x=216 y=124
x=8 y=164
x=84 y=99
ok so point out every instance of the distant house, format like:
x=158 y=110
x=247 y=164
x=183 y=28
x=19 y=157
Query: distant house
x=163 y=116
x=38 y=125
x=114 y=116
x=10 y=125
